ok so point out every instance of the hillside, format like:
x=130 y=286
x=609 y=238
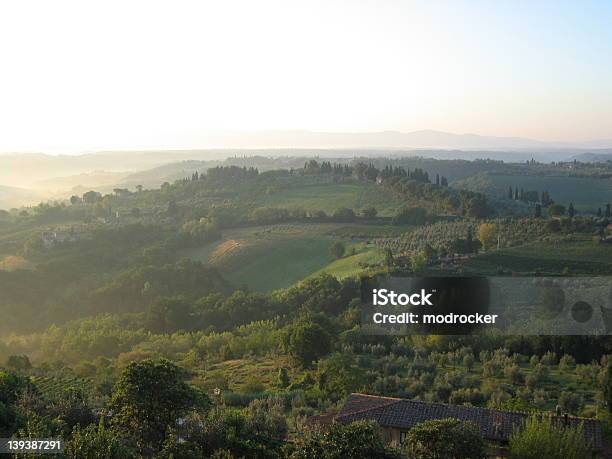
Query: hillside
x=251 y=281
x=587 y=194
x=17 y=197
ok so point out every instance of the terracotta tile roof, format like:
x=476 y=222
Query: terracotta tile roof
x=495 y=425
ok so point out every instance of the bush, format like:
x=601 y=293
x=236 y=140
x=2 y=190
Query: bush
x=445 y=438
x=531 y=380
x=307 y=342
x=410 y=216
x=468 y=361
x=96 y=441
x=567 y=362
x=570 y=402
x=513 y=373
x=549 y=358
x=337 y=250
x=358 y=440
x=488 y=235
x=344 y=215
x=369 y=212
x=556 y=210
x=539 y=438
x=264 y=417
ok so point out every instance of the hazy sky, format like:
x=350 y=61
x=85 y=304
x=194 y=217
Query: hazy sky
x=79 y=75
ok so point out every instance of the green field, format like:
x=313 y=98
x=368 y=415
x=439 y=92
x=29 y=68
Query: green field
x=329 y=197
x=587 y=194
x=353 y=264
x=281 y=264
x=265 y=258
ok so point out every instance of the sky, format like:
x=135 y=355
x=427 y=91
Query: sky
x=89 y=75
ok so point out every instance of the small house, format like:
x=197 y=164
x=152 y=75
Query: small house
x=396 y=416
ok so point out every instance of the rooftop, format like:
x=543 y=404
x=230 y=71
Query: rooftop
x=495 y=425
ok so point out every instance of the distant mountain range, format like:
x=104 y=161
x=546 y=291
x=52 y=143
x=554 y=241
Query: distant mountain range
x=25 y=176
x=601 y=157
x=388 y=139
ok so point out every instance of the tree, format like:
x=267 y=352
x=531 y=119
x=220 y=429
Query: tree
x=607 y=386
x=358 y=440
x=468 y=361
x=487 y=235
x=429 y=252
x=513 y=373
x=12 y=387
x=265 y=418
x=537 y=211
x=102 y=209
x=337 y=250
x=74 y=200
x=474 y=204
x=91 y=197
x=570 y=402
x=18 y=363
x=339 y=375
x=389 y=261
x=567 y=362
x=167 y=315
x=96 y=442
x=539 y=438
x=418 y=261
x=556 y=210
x=307 y=342
x=445 y=438
x=369 y=212
x=172 y=208
x=344 y=215
x=149 y=398
x=121 y=191
x=283 y=378
x=410 y=216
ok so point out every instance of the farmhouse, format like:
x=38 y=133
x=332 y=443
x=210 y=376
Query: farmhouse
x=52 y=238
x=397 y=416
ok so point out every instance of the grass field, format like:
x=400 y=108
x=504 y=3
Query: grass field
x=281 y=264
x=352 y=264
x=262 y=370
x=265 y=258
x=329 y=197
x=587 y=194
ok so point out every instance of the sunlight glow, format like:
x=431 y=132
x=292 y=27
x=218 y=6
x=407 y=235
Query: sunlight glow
x=148 y=74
